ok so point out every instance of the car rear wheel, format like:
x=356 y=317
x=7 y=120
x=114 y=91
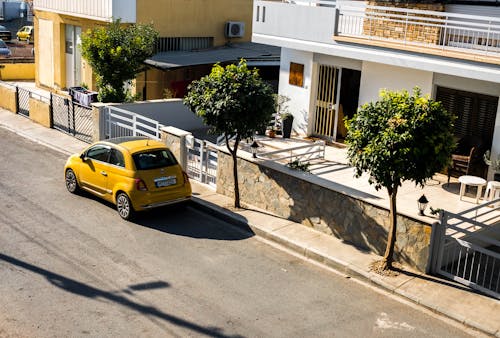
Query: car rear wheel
x=71 y=183
x=123 y=206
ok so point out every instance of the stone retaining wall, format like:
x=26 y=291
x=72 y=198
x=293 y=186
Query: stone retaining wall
x=296 y=196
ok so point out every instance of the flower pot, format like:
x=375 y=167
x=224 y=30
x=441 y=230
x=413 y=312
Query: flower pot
x=287 y=123
x=271 y=133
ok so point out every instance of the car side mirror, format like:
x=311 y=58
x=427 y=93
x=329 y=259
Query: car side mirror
x=83 y=157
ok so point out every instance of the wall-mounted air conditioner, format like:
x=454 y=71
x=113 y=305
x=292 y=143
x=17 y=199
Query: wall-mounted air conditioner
x=234 y=29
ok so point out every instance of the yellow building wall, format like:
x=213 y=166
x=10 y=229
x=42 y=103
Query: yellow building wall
x=171 y=18
x=8 y=99
x=40 y=112
x=17 y=71
x=196 y=18
x=59 y=52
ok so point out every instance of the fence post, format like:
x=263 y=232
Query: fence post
x=72 y=112
x=17 y=100
x=202 y=153
x=51 y=112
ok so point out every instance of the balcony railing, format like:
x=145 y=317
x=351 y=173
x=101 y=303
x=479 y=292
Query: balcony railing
x=430 y=29
x=319 y=3
x=101 y=10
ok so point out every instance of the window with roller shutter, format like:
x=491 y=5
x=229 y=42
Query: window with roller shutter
x=476 y=112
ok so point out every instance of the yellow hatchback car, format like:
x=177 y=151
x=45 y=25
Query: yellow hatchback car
x=25 y=33
x=134 y=173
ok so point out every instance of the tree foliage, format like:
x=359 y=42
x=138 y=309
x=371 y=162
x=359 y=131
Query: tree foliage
x=400 y=137
x=116 y=53
x=235 y=102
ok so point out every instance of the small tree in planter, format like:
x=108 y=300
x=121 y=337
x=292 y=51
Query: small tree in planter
x=397 y=138
x=234 y=101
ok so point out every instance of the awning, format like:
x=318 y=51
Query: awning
x=255 y=54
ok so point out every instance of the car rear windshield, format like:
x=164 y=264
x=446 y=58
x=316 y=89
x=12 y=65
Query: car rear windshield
x=154 y=159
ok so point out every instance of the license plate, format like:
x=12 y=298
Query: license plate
x=165 y=181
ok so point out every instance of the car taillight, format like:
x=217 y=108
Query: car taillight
x=186 y=177
x=140 y=185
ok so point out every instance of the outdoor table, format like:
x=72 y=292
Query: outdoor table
x=472 y=181
x=492 y=190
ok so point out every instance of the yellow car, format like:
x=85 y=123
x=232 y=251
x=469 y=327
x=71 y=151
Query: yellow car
x=25 y=33
x=134 y=173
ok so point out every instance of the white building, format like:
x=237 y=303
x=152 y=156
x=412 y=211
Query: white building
x=337 y=55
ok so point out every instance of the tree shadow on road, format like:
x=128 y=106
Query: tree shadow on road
x=85 y=290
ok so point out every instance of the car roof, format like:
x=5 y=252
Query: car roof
x=135 y=143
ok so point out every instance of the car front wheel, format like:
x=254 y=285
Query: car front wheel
x=71 y=183
x=123 y=206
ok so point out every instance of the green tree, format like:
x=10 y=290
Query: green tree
x=397 y=138
x=235 y=102
x=116 y=53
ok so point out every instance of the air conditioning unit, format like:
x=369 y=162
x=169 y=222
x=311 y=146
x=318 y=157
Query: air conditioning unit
x=235 y=29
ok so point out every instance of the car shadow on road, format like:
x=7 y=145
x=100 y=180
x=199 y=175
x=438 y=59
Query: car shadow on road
x=191 y=220
x=85 y=290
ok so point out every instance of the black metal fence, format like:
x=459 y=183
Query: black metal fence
x=23 y=101
x=71 y=117
x=66 y=115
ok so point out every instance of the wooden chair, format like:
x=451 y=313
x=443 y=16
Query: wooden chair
x=467 y=159
x=460 y=164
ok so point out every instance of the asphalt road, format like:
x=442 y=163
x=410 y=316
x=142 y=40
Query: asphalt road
x=70 y=267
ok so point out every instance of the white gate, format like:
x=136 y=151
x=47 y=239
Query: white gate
x=465 y=247
x=120 y=122
x=202 y=161
x=325 y=114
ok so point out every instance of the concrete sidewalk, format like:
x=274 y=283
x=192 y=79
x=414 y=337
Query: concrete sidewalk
x=441 y=296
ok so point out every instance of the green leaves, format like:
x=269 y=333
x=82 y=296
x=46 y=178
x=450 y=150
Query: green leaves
x=116 y=54
x=400 y=137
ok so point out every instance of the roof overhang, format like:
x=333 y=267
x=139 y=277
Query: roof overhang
x=255 y=54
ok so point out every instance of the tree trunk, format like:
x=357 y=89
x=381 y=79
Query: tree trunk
x=391 y=239
x=235 y=169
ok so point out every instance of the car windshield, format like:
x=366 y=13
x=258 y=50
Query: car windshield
x=154 y=159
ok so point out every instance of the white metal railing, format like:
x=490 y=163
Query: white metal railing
x=202 y=162
x=478 y=34
x=120 y=122
x=465 y=247
x=303 y=153
x=103 y=10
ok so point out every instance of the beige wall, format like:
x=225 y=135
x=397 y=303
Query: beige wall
x=171 y=18
x=196 y=18
x=8 y=99
x=58 y=48
x=40 y=112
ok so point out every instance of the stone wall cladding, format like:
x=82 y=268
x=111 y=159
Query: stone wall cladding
x=173 y=143
x=382 y=28
x=291 y=194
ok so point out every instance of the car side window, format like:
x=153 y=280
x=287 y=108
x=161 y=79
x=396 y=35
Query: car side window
x=116 y=158
x=98 y=153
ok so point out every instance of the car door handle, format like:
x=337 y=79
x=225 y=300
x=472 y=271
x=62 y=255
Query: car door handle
x=103 y=173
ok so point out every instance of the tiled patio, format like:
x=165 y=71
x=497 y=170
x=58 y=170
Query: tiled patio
x=338 y=175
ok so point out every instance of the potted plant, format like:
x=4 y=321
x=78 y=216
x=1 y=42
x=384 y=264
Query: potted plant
x=286 y=124
x=494 y=164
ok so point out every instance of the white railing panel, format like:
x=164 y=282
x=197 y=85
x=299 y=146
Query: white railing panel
x=102 y=10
